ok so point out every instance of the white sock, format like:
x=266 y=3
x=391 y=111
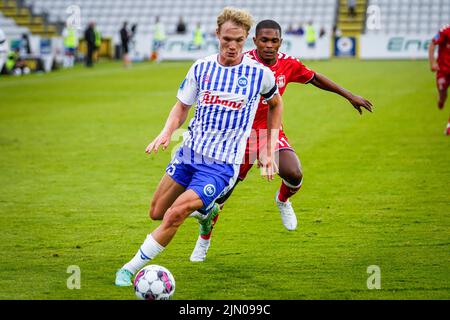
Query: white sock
x=148 y=250
x=204 y=241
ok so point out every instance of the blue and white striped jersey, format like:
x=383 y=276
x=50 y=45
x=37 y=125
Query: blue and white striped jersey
x=227 y=99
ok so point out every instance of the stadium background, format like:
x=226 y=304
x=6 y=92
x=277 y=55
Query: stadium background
x=75 y=183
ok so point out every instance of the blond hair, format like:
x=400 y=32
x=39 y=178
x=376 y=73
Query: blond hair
x=239 y=17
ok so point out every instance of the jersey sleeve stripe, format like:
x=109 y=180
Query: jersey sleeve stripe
x=312 y=78
x=270 y=94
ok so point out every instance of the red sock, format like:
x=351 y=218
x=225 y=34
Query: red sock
x=208 y=236
x=286 y=191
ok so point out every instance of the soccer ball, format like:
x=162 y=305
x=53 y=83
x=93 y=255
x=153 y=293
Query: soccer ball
x=154 y=282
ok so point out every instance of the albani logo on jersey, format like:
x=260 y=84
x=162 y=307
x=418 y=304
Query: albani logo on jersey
x=210 y=98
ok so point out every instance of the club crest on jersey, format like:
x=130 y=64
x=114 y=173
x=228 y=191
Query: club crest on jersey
x=281 y=81
x=209 y=190
x=242 y=82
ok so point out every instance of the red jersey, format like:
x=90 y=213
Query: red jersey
x=442 y=39
x=287 y=69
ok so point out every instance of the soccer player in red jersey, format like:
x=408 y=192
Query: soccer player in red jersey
x=441 y=66
x=286 y=70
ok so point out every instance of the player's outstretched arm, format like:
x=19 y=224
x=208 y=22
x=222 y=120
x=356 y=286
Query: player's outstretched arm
x=433 y=64
x=322 y=82
x=273 y=126
x=176 y=118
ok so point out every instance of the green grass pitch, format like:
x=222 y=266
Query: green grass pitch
x=75 y=188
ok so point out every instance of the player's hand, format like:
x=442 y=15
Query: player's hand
x=268 y=167
x=163 y=139
x=359 y=102
x=434 y=67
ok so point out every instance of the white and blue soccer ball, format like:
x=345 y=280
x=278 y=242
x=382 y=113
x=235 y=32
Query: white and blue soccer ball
x=154 y=282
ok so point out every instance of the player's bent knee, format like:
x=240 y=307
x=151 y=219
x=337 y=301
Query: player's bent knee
x=155 y=211
x=294 y=176
x=153 y=214
x=174 y=217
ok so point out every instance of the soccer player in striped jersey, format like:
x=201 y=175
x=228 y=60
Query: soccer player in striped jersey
x=286 y=70
x=226 y=89
x=441 y=66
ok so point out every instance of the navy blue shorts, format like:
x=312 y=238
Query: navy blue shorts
x=207 y=179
